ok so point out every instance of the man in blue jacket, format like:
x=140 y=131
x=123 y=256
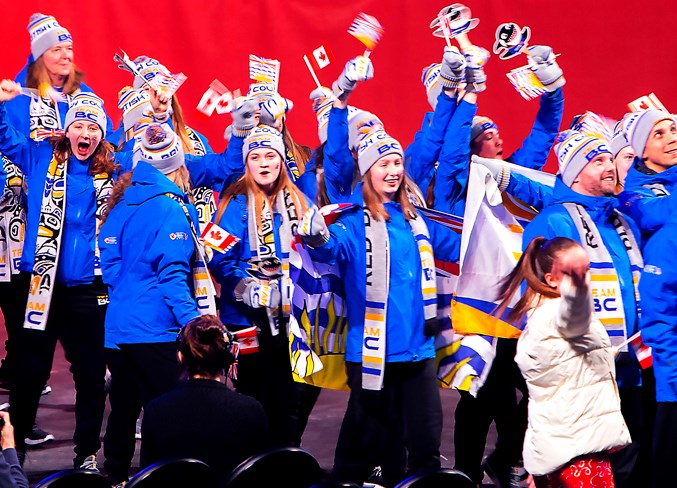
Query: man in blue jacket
x=653 y=136
x=583 y=207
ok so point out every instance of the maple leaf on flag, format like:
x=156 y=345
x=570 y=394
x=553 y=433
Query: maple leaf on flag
x=321 y=57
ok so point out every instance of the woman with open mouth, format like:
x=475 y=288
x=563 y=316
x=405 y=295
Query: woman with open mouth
x=51 y=77
x=70 y=179
x=384 y=248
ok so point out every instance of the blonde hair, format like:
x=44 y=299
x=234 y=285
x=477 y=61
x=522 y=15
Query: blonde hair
x=374 y=204
x=37 y=74
x=180 y=126
x=246 y=184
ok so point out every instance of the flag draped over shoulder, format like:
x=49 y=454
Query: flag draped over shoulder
x=491 y=244
x=318 y=323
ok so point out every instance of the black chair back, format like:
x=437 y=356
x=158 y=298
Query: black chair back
x=74 y=478
x=284 y=467
x=443 y=478
x=174 y=473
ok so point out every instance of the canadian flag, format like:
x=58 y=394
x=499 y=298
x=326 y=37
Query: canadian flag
x=247 y=340
x=216 y=98
x=642 y=351
x=320 y=57
x=217 y=238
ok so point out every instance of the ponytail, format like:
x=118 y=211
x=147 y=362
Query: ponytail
x=535 y=262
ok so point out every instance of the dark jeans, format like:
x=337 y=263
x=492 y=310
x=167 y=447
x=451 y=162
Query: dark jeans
x=13 y=296
x=379 y=425
x=76 y=319
x=495 y=401
x=665 y=444
x=266 y=376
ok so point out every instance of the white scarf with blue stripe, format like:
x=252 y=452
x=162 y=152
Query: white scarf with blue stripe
x=606 y=287
x=378 y=281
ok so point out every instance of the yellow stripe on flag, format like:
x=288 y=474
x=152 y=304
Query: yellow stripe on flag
x=469 y=320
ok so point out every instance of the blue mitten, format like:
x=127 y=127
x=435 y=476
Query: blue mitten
x=542 y=63
x=452 y=71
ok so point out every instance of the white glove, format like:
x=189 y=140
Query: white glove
x=357 y=69
x=274 y=108
x=452 y=71
x=246 y=114
x=312 y=229
x=475 y=59
x=542 y=63
x=257 y=294
x=498 y=171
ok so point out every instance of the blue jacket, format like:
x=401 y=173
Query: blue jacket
x=451 y=179
x=649 y=208
x=529 y=191
x=229 y=268
x=338 y=163
x=535 y=149
x=657 y=288
x=405 y=340
x=554 y=220
x=422 y=154
x=451 y=190
x=147 y=261
x=76 y=258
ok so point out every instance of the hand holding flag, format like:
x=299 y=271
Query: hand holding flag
x=217 y=238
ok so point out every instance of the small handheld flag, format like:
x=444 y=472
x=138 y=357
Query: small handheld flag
x=646 y=102
x=317 y=60
x=217 y=238
x=264 y=70
x=367 y=30
x=526 y=83
x=216 y=98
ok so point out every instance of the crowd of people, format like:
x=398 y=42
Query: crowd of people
x=102 y=250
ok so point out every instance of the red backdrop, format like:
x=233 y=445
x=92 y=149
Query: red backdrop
x=612 y=52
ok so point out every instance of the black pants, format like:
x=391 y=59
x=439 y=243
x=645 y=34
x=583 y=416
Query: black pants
x=76 y=319
x=13 y=295
x=139 y=373
x=627 y=468
x=125 y=401
x=665 y=445
x=379 y=425
x=266 y=376
x=495 y=401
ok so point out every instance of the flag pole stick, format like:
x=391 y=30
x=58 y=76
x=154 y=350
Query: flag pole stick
x=312 y=72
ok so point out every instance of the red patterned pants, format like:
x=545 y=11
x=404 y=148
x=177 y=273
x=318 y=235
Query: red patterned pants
x=589 y=471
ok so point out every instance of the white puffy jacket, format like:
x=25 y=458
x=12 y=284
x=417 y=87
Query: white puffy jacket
x=565 y=356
